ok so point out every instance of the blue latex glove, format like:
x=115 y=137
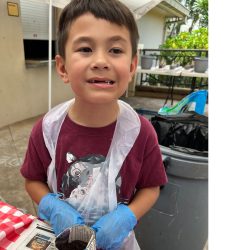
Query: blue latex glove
x=112 y=228
x=58 y=212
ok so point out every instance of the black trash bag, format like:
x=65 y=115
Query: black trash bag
x=186 y=132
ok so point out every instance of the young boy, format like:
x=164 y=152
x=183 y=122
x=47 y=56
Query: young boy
x=93 y=160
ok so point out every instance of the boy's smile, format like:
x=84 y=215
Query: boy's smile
x=102 y=81
x=98 y=60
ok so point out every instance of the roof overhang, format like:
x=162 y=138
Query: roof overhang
x=169 y=8
x=172 y=8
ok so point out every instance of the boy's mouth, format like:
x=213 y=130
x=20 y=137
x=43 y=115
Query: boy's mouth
x=101 y=81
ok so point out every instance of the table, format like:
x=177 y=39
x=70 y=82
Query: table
x=178 y=71
x=194 y=75
x=160 y=71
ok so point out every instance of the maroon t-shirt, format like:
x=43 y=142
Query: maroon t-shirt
x=142 y=167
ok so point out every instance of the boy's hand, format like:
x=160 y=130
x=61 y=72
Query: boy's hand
x=112 y=228
x=58 y=212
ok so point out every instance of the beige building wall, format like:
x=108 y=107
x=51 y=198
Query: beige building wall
x=23 y=91
x=151 y=27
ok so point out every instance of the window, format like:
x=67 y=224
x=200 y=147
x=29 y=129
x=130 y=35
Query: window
x=35 y=23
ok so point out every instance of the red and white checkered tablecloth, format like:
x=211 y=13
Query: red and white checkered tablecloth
x=12 y=223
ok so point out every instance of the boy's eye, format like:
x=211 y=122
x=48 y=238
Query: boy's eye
x=85 y=50
x=116 y=50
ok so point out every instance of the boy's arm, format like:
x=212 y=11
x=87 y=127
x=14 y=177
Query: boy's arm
x=36 y=189
x=144 y=199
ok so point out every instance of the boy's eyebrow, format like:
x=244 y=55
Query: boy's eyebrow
x=89 y=39
x=82 y=39
x=117 y=38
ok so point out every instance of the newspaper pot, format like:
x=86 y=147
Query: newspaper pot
x=146 y=61
x=76 y=237
x=200 y=64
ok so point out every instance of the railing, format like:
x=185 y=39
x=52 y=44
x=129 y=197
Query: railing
x=175 y=57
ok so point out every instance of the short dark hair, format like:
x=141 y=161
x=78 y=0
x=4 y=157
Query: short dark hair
x=111 y=10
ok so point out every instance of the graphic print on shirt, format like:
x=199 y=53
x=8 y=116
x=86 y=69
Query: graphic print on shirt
x=79 y=178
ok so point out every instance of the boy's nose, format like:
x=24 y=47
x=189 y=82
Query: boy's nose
x=100 y=61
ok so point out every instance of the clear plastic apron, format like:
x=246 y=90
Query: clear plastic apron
x=102 y=194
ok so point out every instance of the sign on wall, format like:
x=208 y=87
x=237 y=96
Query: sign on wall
x=12 y=9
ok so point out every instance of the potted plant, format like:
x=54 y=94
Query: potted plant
x=147 y=61
x=200 y=64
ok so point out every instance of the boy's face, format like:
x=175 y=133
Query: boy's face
x=98 y=62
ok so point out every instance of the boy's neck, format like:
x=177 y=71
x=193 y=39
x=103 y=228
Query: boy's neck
x=94 y=115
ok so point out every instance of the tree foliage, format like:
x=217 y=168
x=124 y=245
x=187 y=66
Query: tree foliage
x=198 y=12
x=197 y=39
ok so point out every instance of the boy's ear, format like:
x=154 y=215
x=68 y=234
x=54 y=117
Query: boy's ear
x=133 y=66
x=61 y=70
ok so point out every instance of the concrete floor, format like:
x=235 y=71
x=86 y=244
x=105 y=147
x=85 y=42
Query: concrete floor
x=13 y=144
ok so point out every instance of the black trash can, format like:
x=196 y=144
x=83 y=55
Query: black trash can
x=179 y=219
